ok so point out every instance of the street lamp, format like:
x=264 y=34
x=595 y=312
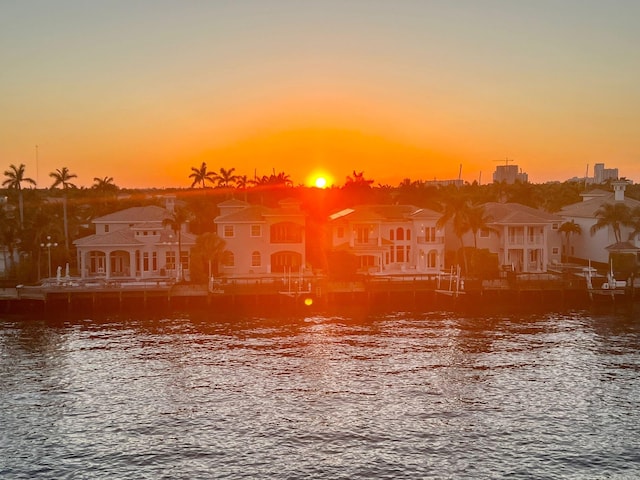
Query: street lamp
x=48 y=246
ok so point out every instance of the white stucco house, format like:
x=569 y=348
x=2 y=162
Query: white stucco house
x=133 y=244
x=261 y=241
x=525 y=239
x=389 y=239
x=596 y=247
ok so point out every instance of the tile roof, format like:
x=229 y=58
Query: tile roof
x=515 y=213
x=253 y=213
x=150 y=213
x=587 y=209
x=126 y=238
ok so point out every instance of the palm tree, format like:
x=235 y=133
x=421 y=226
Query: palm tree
x=104 y=184
x=178 y=218
x=358 y=179
x=62 y=177
x=8 y=238
x=201 y=175
x=568 y=229
x=226 y=177
x=209 y=247
x=456 y=212
x=477 y=220
x=614 y=215
x=15 y=178
x=242 y=182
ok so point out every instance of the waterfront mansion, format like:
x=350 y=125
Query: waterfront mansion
x=135 y=244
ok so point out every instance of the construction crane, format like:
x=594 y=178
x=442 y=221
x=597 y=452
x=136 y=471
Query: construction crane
x=506 y=161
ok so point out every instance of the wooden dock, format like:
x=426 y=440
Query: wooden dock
x=324 y=295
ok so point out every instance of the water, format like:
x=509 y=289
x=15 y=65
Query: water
x=390 y=396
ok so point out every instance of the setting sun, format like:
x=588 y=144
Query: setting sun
x=321 y=182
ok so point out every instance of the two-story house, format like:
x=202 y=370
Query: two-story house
x=260 y=240
x=389 y=239
x=134 y=244
x=594 y=247
x=525 y=239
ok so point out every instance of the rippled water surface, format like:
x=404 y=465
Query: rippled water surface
x=390 y=396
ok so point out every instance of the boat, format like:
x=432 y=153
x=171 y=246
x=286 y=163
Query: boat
x=608 y=288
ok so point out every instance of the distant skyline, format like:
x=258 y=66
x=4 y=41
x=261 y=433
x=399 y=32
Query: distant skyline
x=144 y=90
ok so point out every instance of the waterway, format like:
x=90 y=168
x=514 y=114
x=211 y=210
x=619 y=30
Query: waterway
x=395 y=395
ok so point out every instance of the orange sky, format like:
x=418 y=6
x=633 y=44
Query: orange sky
x=144 y=91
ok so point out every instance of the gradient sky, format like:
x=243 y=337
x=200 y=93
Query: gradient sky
x=143 y=90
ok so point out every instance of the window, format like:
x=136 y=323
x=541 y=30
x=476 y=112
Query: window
x=430 y=234
x=256 y=230
x=154 y=261
x=408 y=234
x=256 y=260
x=184 y=260
x=392 y=234
x=106 y=229
x=432 y=258
x=170 y=260
x=554 y=226
x=228 y=259
x=400 y=254
x=228 y=231
x=286 y=232
x=145 y=261
x=555 y=250
x=400 y=233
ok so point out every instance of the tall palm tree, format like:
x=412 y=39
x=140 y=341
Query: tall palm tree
x=209 y=247
x=226 y=177
x=104 y=184
x=62 y=177
x=15 y=178
x=358 y=179
x=568 y=229
x=478 y=219
x=178 y=218
x=202 y=176
x=242 y=182
x=456 y=212
x=8 y=238
x=614 y=215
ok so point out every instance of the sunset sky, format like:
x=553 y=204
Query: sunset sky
x=143 y=90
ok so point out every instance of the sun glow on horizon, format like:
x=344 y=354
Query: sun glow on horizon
x=319 y=179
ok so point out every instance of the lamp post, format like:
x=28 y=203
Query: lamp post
x=48 y=246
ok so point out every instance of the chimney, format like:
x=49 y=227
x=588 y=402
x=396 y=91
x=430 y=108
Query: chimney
x=619 y=187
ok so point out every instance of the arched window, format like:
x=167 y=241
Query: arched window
x=408 y=234
x=392 y=234
x=400 y=233
x=228 y=259
x=256 y=259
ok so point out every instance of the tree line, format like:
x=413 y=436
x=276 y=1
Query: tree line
x=63 y=211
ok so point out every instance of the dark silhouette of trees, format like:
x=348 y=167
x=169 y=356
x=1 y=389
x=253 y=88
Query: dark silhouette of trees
x=614 y=215
x=62 y=177
x=15 y=179
x=206 y=255
x=225 y=178
x=178 y=218
x=568 y=229
x=202 y=176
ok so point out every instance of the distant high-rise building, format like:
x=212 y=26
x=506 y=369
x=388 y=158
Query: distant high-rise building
x=509 y=174
x=601 y=174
